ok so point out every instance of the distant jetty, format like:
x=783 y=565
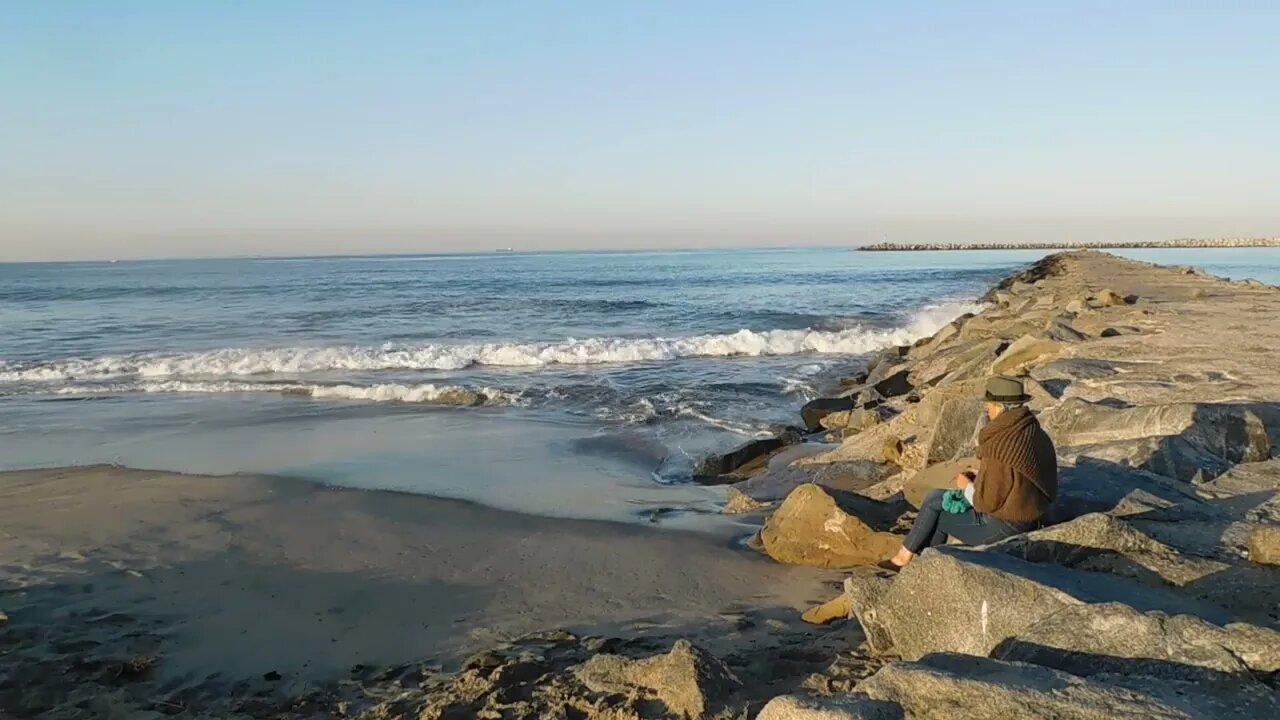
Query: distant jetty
x=1179 y=243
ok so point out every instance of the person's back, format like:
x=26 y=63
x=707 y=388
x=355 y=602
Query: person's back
x=1018 y=475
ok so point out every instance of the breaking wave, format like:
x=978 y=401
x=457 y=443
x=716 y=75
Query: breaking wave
x=244 y=362
x=427 y=393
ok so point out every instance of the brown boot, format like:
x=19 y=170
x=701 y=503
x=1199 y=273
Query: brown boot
x=836 y=609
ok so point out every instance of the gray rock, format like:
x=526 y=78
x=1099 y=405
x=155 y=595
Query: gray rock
x=1087 y=640
x=1057 y=330
x=955 y=431
x=1025 y=351
x=690 y=681
x=1245 y=479
x=793 y=707
x=975 y=600
x=1187 y=441
x=1101 y=543
x=979 y=326
x=964 y=361
x=1170 y=456
x=1088 y=485
x=1078 y=369
x=1108 y=298
x=954 y=687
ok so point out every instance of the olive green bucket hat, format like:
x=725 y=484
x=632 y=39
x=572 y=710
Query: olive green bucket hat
x=1006 y=390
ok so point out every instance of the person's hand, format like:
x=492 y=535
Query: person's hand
x=962 y=481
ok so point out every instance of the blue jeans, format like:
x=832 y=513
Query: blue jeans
x=933 y=526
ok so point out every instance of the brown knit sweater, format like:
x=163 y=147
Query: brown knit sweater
x=1018 y=474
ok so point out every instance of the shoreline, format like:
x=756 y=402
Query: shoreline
x=270 y=597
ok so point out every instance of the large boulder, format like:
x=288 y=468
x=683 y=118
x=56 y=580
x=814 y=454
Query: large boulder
x=955 y=687
x=976 y=327
x=800 y=707
x=955 y=431
x=810 y=528
x=1107 y=298
x=960 y=362
x=975 y=600
x=1087 y=485
x=1250 y=491
x=1102 y=543
x=1115 y=638
x=691 y=682
x=1060 y=330
x=1187 y=441
x=1023 y=352
x=1169 y=455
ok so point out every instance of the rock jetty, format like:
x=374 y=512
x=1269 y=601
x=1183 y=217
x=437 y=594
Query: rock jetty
x=1240 y=242
x=1153 y=593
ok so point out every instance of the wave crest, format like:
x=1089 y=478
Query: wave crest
x=426 y=393
x=245 y=362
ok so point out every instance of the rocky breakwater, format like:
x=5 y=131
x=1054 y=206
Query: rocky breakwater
x=1155 y=590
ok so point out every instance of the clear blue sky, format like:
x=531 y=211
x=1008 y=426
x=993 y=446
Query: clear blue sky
x=208 y=128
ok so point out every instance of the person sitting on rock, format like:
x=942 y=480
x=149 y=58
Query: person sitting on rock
x=1016 y=481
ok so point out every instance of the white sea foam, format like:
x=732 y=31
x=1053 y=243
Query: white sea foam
x=426 y=393
x=243 y=362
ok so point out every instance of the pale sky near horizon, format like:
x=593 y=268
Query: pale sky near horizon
x=161 y=129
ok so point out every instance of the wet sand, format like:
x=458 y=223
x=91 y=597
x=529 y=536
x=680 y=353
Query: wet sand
x=237 y=577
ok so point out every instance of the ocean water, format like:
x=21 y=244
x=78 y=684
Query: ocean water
x=577 y=384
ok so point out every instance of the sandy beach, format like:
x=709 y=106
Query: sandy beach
x=228 y=578
x=133 y=593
